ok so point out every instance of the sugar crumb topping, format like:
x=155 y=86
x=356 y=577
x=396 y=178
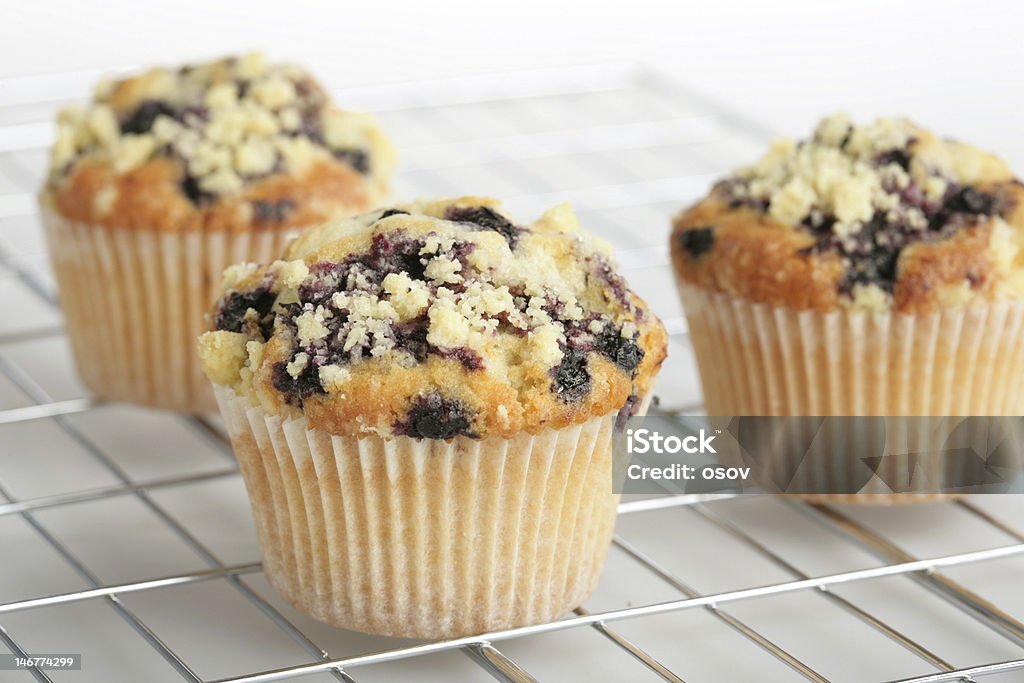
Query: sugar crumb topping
x=228 y=122
x=423 y=281
x=866 y=192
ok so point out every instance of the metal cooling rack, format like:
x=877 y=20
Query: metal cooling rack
x=125 y=533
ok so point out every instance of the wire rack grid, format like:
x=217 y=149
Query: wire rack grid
x=125 y=533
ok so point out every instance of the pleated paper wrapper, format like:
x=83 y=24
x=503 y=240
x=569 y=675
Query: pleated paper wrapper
x=135 y=302
x=760 y=360
x=427 y=538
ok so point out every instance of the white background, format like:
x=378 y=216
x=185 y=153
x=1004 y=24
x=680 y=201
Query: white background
x=955 y=67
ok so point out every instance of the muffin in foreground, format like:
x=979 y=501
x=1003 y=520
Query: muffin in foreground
x=167 y=178
x=871 y=270
x=422 y=401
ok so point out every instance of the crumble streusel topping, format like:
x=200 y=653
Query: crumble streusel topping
x=230 y=122
x=865 y=193
x=455 y=284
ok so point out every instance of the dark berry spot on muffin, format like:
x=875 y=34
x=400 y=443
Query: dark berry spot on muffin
x=488 y=219
x=878 y=268
x=469 y=358
x=970 y=200
x=622 y=351
x=961 y=207
x=266 y=211
x=411 y=337
x=395 y=253
x=239 y=310
x=296 y=389
x=190 y=188
x=356 y=158
x=322 y=282
x=141 y=120
x=572 y=377
x=872 y=252
x=392 y=212
x=819 y=223
x=900 y=157
x=697 y=241
x=392 y=252
x=435 y=417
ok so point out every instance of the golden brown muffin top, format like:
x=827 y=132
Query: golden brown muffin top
x=884 y=216
x=231 y=144
x=437 y=319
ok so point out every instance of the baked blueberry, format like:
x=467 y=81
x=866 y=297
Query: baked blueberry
x=435 y=417
x=296 y=386
x=356 y=158
x=141 y=119
x=237 y=308
x=190 y=188
x=623 y=351
x=488 y=219
x=697 y=241
x=572 y=377
x=272 y=211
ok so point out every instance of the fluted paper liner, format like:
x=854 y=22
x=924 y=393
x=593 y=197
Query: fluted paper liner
x=760 y=360
x=135 y=301
x=426 y=538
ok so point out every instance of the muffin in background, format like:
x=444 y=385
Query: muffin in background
x=422 y=401
x=871 y=270
x=167 y=178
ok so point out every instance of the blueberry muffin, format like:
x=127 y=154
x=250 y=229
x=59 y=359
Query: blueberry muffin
x=422 y=400
x=168 y=177
x=870 y=270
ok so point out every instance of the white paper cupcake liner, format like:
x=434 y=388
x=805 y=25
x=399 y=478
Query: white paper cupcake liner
x=758 y=360
x=135 y=301
x=427 y=538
